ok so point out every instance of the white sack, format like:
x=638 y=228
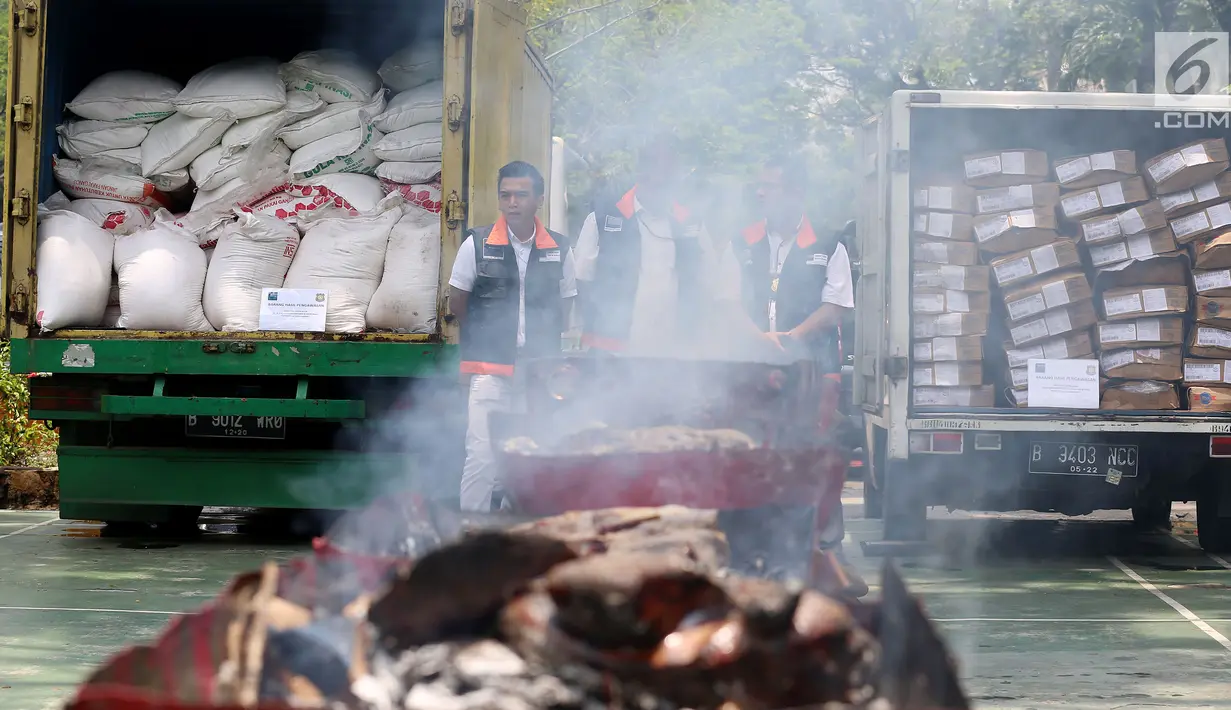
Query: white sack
x=131 y=96
x=210 y=207
x=422 y=104
x=333 y=74
x=86 y=180
x=299 y=105
x=74 y=271
x=57 y=201
x=177 y=141
x=162 y=275
x=340 y=193
x=253 y=253
x=414 y=66
x=417 y=143
x=349 y=152
x=115 y=217
x=338 y=118
x=212 y=169
x=111 y=316
x=405 y=302
x=345 y=256
x=242 y=88
x=81 y=138
x=409 y=173
x=426 y=196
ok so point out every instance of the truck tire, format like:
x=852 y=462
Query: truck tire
x=1152 y=514
x=905 y=507
x=1213 y=531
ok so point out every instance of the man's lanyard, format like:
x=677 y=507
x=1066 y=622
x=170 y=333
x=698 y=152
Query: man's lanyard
x=775 y=271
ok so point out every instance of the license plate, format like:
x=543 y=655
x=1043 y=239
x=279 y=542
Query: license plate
x=1073 y=459
x=231 y=427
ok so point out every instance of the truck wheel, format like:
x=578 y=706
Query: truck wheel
x=905 y=507
x=1152 y=514
x=1213 y=530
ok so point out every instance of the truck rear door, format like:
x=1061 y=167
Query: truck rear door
x=871 y=293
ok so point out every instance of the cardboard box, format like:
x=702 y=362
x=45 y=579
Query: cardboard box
x=945 y=198
x=1091 y=201
x=1146 y=217
x=1017 y=197
x=1005 y=167
x=1177 y=204
x=956 y=253
x=1172 y=269
x=955 y=349
x=1212 y=252
x=1141 y=333
x=1069 y=319
x=947 y=374
x=936 y=302
x=952 y=278
x=1095 y=168
x=947 y=325
x=1203 y=371
x=1053 y=292
x=1015 y=231
x=1209 y=399
x=1070 y=346
x=1214 y=311
x=1208 y=341
x=1213 y=283
x=1186 y=166
x=978 y=396
x=1145 y=395
x=1138 y=246
x=1199 y=224
x=1136 y=301
x=1143 y=363
x=942 y=225
x=1032 y=263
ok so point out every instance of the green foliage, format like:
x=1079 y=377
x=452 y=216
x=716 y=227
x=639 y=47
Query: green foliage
x=22 y=442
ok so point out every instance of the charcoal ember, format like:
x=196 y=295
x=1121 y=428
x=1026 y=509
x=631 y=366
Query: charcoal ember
x=322 y=653
x=630 y=601
x=457 y=591
x=669 y=529
x=707 y=549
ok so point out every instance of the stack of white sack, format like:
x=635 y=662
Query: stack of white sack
x=162 y=275
x=73 y=269
x=413 y=127
x=405 y=302
x=253 y=253
x=345 y=257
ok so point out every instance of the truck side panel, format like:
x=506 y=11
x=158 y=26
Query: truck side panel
x=897 y=228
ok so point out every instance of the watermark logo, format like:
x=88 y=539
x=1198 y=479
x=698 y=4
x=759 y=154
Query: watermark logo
x=1189 y=68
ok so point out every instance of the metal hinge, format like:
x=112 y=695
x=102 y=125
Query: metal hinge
x=20 y=206
x=23 y=113
x=19 y=305
x=896 y=367
x=455 y=211
x=26 y=12
x=456 y=113
x=899 y=161
x=459 y=17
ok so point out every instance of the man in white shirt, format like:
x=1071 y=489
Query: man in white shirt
x=511 y=290
x=797 y=289
x=648 y=270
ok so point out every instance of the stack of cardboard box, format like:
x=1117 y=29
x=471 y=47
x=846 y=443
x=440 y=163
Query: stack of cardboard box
x=950 y=300
x=1191 y=185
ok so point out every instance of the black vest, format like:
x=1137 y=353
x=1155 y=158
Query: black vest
x=800 y=286
x=607 y=303
x=489 y=335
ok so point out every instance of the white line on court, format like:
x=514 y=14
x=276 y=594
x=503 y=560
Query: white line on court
x=97 y=611
x=28 y=528
x=1179 y=608
x=1218 y=559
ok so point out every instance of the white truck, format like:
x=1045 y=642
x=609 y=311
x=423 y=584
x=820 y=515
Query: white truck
x=1005 y=457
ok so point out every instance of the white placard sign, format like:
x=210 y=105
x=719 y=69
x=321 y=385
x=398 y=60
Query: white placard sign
x=1067 y=384
x=295 y=310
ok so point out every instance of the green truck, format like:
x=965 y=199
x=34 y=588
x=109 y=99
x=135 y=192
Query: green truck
x=155 y=425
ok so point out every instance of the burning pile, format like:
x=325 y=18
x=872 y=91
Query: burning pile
x=620 y=608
